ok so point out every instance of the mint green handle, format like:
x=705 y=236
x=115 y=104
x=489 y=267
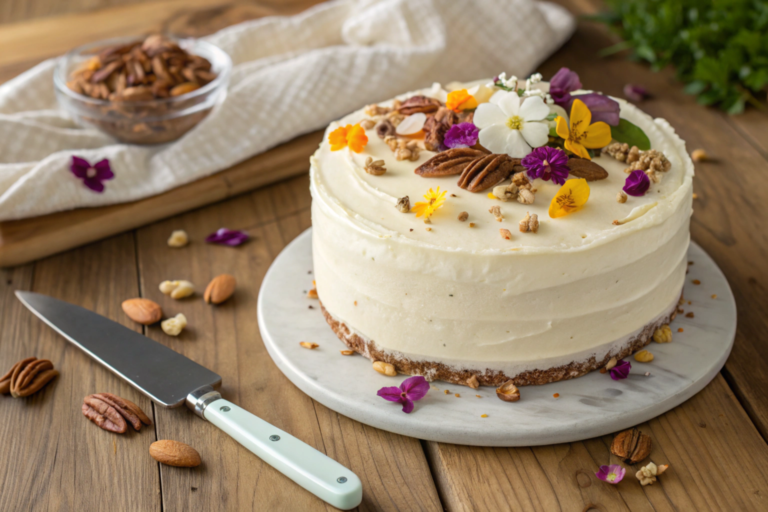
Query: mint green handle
x=311 y=469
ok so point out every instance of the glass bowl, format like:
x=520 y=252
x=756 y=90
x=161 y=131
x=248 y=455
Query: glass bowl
x=150 y=121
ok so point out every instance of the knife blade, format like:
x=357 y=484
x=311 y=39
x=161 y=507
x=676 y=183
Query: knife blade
x=170 y=380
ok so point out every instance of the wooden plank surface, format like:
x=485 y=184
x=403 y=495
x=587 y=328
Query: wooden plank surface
x=226 y=339
x=54 y=458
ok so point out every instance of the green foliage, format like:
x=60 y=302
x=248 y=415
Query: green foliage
x=631 y=134
x=718 y=47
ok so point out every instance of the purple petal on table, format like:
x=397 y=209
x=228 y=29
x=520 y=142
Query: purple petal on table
x=602 y=107
x=94 y=184
x=226 y=236
x=415 y=388
x=612 y=474
x=79 y=166
x=103 y=170
x=621 y=370
x=392 y=393
x=407 y=406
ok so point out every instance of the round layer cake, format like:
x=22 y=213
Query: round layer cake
x=457 y=298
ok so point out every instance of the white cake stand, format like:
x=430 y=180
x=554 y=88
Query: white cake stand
x=589 y=406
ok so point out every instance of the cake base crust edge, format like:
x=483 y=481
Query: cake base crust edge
x=433 y=370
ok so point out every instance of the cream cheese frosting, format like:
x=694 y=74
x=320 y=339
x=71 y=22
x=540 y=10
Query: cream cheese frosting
x=467 y=297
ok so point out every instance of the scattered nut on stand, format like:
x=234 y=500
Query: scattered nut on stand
x=178 y=238
x=143 y=311
x=177 y=289
x=385 y=368
x=663 y=334
x=508 y=392
x=27 y=377
x=174 y=325
x=174 y=453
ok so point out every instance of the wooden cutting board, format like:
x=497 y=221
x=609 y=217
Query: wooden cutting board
x=25 y=240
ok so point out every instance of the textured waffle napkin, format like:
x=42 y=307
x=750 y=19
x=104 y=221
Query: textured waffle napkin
x=291 y=75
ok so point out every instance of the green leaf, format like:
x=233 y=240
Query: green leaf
x=631 y=134
x=553 y=132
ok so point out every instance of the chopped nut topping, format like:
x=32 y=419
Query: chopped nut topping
x=496 y=211
x=696 y=281
x=391 y=141
x=506 y=193
x=375 y=167
x=307 y=344
x=663 y=334
x=621 y=197
x=407 y=154
x=174 y=325
x=611 y=363
x=457 y=395
x=529 y=224
x=385 y=368
x=463 y=216
x=679 y=329
x=525 y=196
x=520 y=179
x=347 y=352
x=699 y=155
x=367 y=124
x=508 y=392
x=178 y=238
x=472 y=382
x=647 y=475
x=312 y=294
x=505 y=234
x=643 y=357
x=403 y=204
x=689 y=315
x=385 y=129
x=471 y=224
x=556 y=395
x=376 y=110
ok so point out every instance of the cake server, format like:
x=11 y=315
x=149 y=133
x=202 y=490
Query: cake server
x=171 y=380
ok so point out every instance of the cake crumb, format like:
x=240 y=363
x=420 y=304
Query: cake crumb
x=505 y=234
x=447 y=392
x=411 y=229
x=714 y=295
x=310 y=306
x=689 y=315
x=483 y=415
x=312 y=294
x=307 y=344
x=471 y=224
x=457 y=395
x=689 y=303
x=454 y=195
x=696 y=281
x=680 y=329
x=347 y=352
x=463 y=216
x=556 y=395
x=690 y=263
x=695 y=195
x=429 y=229
x=478 y=396
x=647 y=374
x=355 y=303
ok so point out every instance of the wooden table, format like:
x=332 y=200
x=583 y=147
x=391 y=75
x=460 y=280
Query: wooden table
x=54 y=459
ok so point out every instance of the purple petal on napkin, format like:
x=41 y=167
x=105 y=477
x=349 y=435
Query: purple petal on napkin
x=226 y=236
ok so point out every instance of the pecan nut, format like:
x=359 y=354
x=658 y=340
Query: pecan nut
x=26 y=377
x=113 y=413
x=448 y=163
x=587 y=169
x=631 y=446
x=416 y=104
x=436 y=126
x=487 y=171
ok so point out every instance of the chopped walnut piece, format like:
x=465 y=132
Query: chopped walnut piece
x=395 y=118
x=529 y=224
x=520 y=179
x=525 y=196
x=621 y=197
x=472 y=382
x=463 y=216
x=391 y=141
x=647 y=474
x=663 y=334
x=403 y=204
x=496 y=211
x=375 y=167
x=376 y=110
x=643 y=357
x=508 y=392
x=471 y=224
x=505 y=234
x=367 y=124
x=506 y=193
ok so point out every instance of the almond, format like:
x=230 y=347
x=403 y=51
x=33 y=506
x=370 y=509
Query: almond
x=143 y=311
x=219 y=289
x=174 y=453
x=587 y=169
x=184 y=88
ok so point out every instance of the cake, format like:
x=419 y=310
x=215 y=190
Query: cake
x=551 y=242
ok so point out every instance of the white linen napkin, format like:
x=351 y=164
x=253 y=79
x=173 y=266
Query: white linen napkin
x=291 y=75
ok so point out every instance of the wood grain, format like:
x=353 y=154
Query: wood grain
x=226 y=339
x=718 y=461
x=55 y=459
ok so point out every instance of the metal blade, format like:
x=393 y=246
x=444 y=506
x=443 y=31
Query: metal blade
x=165 y=376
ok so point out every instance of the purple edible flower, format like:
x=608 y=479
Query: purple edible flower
x=636 y=93
x=562 y=84
x=410 y=390
x=462 y=135
x=226 y=236
x=637 y=183
x=621 y=370
x=92 y=175
x=548 y=164
x=602 y=107
x=612 y=474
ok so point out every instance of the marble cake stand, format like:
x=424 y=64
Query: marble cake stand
x=589 y=406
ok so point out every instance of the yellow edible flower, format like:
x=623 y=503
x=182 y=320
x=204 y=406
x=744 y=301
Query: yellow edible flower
x=570 y=198
x=351 y=135
x=582 y=135
x=435 y=200
x=460 y=100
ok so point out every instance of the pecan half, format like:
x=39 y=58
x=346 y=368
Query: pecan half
x=103 y=414
x=127 y=409
x=448 y=163
x=416 y=104
x=631 y=446
x=436 y=126
x=28 y=376
x=483 y=173
x=587 y=169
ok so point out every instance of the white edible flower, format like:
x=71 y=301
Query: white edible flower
x=507 y=126
x=535 y=78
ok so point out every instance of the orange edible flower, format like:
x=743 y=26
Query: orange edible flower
x=570 y=198
x=352 y=136
x=435 y=200
x=581 y=134
x=460 y=100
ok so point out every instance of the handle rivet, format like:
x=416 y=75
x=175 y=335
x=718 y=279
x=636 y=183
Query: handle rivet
x=224 y=409
x=342 y=479
x=274 y=438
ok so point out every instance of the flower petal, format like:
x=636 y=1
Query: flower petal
x=562 y=128
x=598 y=135
x=415 y=388
x=407 y=406
x=94 y=184
x=103 y=170
x=536 y=134
x=516 y=147
x=565 y=80
x=577 y=149
x=79 y=166
x=494 y=137
x=392 y=393
x=601 y=107
x=510 y=104
x=580 y=112
x=487 y=115
x=534 y=109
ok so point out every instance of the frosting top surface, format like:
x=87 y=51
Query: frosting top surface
x=367 y=202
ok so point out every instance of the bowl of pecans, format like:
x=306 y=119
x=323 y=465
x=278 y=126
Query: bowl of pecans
x=142 y=92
